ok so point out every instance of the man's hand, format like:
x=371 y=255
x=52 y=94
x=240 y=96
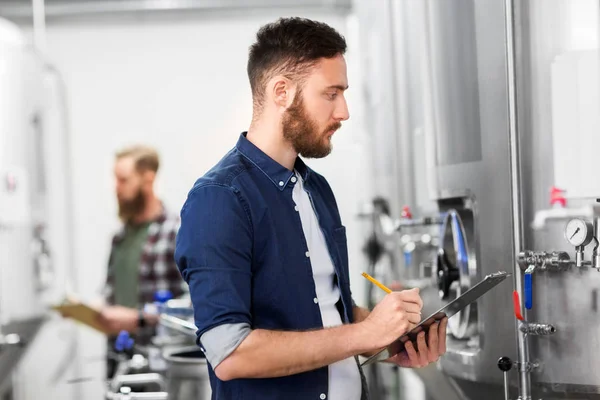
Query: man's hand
x=117 y=318
x=426 y=353
x=396 y=314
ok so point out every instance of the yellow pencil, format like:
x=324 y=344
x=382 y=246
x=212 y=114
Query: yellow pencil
x=376 y=282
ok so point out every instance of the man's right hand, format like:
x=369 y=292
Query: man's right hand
x=395 y=315
x=117 y=318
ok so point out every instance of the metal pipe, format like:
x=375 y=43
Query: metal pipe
x=579 y=256
x=78 y=8
x=515 y=171
x=39 y=25
x=178 y=324
x=72 y=284
x=430 y=118
x=400 y=97
x=542 y=217
x=595 y=252
x=424 y=221
x=138 y=379
x=538 y=329
x=506 y=386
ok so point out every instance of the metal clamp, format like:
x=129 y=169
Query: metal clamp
x=544 y=261
x=527 y=367
x=537 y=329
x=530 y=328
x=12 y=339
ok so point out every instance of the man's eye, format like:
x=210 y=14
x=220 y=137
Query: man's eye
x=332 y=96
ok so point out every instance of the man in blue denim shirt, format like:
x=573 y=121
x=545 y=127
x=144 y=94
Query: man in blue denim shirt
x=263 y=249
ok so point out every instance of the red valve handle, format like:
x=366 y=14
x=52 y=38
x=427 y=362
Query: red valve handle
x=517 y=306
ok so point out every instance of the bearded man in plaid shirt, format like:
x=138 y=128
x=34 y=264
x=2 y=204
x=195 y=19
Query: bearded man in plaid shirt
x=141 y=258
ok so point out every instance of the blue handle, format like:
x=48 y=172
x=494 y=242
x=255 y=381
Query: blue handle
x=162 y=296
x=123 y=341
x=528 y=291
x=407 y=258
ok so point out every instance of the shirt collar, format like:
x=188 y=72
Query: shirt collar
x=277 y=173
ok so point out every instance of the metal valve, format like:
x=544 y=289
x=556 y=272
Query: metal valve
x=537 y=329
x=527 y=327
x=12 y=339
x=505 y=364
x=580 y=233
x=531 y=261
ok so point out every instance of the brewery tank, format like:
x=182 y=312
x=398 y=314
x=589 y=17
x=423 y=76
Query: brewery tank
x=470 y=157
x=24 y=253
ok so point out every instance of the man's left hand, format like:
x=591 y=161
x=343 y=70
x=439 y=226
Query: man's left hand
x=426 y=353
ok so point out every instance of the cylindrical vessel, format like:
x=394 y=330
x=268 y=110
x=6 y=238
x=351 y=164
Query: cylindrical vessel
x=187 y=374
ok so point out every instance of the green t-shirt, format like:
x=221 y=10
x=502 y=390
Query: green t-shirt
x=126 y=264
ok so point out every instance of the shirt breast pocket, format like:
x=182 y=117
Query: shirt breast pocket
x=341 y=244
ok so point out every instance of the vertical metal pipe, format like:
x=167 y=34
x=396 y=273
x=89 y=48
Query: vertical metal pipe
x=405 y=166
x=39 y=25
x=515 y=172
x=596 y=252
x=430 y=118
x=506 y=386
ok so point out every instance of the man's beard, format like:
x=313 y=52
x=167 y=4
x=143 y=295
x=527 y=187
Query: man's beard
x=302 y=132
x=131 y=208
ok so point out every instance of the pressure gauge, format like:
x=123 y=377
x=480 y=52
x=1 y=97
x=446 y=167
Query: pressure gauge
x=579 y=232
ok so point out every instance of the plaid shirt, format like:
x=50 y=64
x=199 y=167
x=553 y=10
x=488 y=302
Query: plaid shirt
x=158 y=270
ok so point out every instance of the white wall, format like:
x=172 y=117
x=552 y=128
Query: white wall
x=575 y=99
x=177 y=82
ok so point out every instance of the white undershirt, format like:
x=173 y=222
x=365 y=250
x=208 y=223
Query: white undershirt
x=344 y=377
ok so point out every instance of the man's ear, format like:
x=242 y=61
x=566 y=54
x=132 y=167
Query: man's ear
x=148 y=177
x=283 y=92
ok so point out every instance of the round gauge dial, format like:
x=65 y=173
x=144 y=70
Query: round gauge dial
x=579 y=232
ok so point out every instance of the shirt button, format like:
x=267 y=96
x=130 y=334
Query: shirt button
x=280 y=183
x=316 y=300
x=323 y=396
x=307 y=254
x=294 y=179
x=296 y=208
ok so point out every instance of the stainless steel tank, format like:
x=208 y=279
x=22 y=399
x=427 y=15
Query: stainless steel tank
x=23 y=250
x=559 y=124
x=452 y=112
x=466 y=147
x=453 y=86
x=187 y=374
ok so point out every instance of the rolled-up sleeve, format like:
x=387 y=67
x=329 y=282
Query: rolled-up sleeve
x=213 y=252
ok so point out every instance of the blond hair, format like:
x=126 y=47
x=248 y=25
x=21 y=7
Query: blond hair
x=144 y=157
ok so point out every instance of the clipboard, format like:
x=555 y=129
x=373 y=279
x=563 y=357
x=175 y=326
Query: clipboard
x=450 y=309
x=82 y=313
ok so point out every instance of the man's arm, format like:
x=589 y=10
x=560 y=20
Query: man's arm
x=266 y=354
x=361 y=314
x=176 y=283
x=115 y=319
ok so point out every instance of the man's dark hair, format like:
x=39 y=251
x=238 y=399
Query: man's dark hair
x=290 y=47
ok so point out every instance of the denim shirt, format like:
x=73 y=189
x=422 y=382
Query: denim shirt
x=242 y=251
